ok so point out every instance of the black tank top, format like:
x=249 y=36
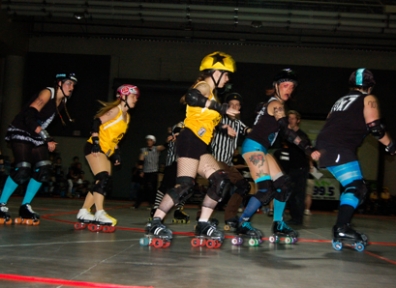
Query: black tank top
x=345 y=128
x=265 y=128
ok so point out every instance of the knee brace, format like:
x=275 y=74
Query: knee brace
x=282 y=187
x=21 y=173
x=183 y=190
x=219 y=185
x=243 y=187
x=265 y=193
x=102 y=183
x=42 y=171
x=354 y=193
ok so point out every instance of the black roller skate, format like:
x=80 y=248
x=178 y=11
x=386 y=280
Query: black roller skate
x=231 y=224
x=179 y=216
x=346 y=234
x=103 y=223
x=280 y=231
x=27 y=216
x=157 y=234
x=207 y=234
x=245 y=229
x=84 y=218
x=5 y=217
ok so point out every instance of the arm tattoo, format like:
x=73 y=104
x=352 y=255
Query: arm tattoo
x=373 y=104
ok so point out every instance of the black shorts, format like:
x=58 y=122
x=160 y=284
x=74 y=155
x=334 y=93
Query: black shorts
x=333 y=156
x=189 y=145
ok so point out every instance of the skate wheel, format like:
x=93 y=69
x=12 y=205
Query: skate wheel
x=158 y=243
x=108 y=229
x=36 y=222
x=218 y=244
x=195 y=242
x=94 y=228
x=8 y=222
x=288 y=240
x=337 y=245
x=27 y=221
x=235 y=241
x=359 y=247
x=80 y=226
x=18 y=220
x=227 y=228
x=210 y=243
x=166 y=244
x=144 y=241
x=272 y=239
x=295 y=239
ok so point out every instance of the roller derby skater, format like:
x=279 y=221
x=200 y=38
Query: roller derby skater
x=203 y=114
x=271 y=183
x=345 y=234
x=337 y=145
x=101 y=150
x=282 y=232
x=244 y=229
x=31 y=144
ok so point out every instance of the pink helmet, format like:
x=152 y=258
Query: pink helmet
x=126 y=89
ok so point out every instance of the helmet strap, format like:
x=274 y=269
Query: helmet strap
x=218 y=81
x=126 y=102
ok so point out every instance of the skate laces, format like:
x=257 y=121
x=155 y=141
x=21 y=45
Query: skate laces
x=247 y=225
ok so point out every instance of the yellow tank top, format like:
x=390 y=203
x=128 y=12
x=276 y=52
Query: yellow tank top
x=111 y=132
x=202 y=121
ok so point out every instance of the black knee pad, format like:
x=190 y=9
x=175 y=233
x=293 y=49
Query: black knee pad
x=243 y=187
x=219 y=185
x=21 y=173
x=358 y=188
x=102 y=183
x=183 y=191
x=42 y=171
x=282 y=187
x=265 y=193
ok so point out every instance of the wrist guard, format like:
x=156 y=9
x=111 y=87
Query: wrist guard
x=45 y=136
x=116 y=156
x=95 y=145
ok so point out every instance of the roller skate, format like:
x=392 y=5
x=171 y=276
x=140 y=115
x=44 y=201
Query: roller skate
x=157 y=234
x=280 y=231
x=84 y=217
x=27 y=216
x=245 y=229
x=231 y=223
x=179 y=216
x=5 y=217
x=346 y=234
x=207 y=234
x=103 y=223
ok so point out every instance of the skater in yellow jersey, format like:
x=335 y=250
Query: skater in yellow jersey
x=109 y=127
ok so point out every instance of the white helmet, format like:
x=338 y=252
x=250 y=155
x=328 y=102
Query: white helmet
x=151 y=137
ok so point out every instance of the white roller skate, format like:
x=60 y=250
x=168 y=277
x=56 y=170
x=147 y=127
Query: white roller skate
x=345 y=234
x=157 y=234
x=103 y=223
x=84 y=217
x=27 y=216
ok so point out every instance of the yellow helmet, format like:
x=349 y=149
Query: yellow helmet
x=218 y=61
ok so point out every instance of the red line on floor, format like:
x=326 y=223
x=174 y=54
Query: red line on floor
x=380 y=257
x=57 y=281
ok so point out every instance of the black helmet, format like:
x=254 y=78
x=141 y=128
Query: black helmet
x=233 y=96
x=285 y=75
x=362 y=78
x=66 y=76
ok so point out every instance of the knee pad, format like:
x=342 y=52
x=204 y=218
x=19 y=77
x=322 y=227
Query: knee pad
x=354 y=193
x=102 y=183
x=42 y=171
x=243 y=187
x=219 y=185
x=265 y=193
x=21 y=173
x=282 y=187
x=183 y=190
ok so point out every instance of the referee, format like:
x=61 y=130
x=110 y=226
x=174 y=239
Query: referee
x=223 y=146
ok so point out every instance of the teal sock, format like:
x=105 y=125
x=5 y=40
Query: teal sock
x=31 y=191
x=279 y=208
x=9 y=188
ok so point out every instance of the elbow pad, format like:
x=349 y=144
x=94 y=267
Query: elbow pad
x=376 y=129
x=195 y=98
x=31 y=119
x=95 y=125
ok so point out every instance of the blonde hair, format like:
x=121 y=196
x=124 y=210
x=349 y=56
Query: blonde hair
x=107 y=106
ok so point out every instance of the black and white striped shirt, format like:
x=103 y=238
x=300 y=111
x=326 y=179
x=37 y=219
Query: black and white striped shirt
x=151 y=159
x=223 y=146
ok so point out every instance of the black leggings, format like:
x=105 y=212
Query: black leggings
x=27 y=152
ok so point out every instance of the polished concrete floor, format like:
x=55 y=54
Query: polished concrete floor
x=53 y=254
